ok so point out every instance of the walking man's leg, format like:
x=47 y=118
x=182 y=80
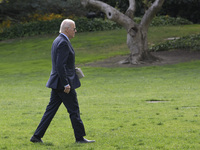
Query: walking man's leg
x=50 y=112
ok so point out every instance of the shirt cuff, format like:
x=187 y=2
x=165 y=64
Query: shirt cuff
x=66 y=85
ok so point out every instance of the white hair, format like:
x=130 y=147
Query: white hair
x=65 y=24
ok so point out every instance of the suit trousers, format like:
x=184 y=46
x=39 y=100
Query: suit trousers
x=71 y=103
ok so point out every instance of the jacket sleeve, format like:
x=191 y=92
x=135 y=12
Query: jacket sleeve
x=62 y=55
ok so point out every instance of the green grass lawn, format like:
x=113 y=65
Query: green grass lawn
x=114 y=102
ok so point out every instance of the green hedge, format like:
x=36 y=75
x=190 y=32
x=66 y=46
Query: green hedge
x=188 y=42
x=83 y=25
x=46 y=27
x=97 y=24
x=165 y=21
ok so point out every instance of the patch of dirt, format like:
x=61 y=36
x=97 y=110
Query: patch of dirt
x=167 y=58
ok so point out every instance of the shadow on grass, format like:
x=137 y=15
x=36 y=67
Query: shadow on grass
x=156 y=101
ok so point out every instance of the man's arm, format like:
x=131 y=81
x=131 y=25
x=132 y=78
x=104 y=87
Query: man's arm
x=62 y=54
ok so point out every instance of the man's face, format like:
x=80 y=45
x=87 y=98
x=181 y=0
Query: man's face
x=72 y=31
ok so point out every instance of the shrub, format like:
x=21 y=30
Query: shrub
x=52 y=26
x=188 y=42
x=165 y=21
x=97 y=24
x=51 y=23
x=44 y=17
x=30 y=29
x=5 y=24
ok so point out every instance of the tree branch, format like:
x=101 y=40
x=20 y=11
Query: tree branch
x=111 y=13
x=151 y=12
x=131 y=10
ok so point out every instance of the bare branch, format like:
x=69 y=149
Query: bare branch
x=136 y=34
x=151 y=12
x=112 y=13
x=131 y=10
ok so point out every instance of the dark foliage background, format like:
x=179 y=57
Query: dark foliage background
x=188 y=9
x=83 y=24
x=18 y=10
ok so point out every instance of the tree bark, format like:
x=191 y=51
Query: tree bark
x=136 y=33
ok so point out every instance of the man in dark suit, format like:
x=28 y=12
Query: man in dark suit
x=63 y=81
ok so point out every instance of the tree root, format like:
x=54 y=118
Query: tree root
x=135 y=59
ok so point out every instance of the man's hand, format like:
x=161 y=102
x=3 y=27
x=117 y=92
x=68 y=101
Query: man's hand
x=67 y=89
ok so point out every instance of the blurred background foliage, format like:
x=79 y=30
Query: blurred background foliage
x=22 y=10
x=19 y=18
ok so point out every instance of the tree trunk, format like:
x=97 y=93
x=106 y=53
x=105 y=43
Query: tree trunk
x=136 y=33
x=138 y=44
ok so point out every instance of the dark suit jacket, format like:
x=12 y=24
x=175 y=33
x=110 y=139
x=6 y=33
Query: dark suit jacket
x=63 y=65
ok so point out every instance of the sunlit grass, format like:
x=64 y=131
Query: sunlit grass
x=113 y=106
x=113 y=101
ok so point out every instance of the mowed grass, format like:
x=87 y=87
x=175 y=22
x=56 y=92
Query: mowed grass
x=114 y=102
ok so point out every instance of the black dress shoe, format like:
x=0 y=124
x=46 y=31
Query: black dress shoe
x=85 y=141
x=36 y=140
